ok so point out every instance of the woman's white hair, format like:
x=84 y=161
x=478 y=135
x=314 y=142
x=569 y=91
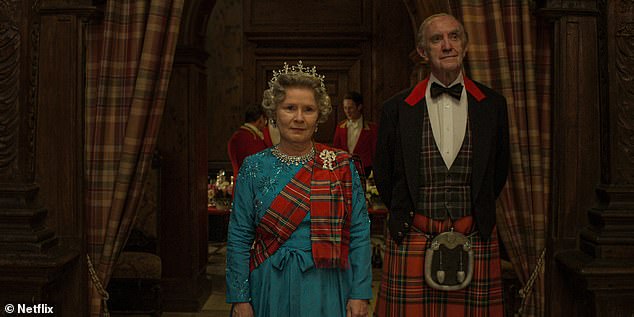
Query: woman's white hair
x=276 y=93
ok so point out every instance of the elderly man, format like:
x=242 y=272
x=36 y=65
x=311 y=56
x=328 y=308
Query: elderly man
x=443 y=161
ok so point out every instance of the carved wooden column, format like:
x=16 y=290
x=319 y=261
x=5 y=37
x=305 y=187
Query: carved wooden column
x=38 y=77
x=601 y=266
x=182 y=143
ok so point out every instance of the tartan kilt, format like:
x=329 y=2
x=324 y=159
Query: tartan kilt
x=403 y=291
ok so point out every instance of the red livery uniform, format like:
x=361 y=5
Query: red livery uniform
x=365 y=146
x=247 y=140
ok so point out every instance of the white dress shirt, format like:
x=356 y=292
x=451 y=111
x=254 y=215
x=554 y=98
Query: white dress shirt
x=448 y=117
x=354 y=130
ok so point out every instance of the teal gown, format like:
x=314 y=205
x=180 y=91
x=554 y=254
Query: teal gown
x=287 y=283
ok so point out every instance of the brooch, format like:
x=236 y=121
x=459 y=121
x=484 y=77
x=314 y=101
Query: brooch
x=328 y=157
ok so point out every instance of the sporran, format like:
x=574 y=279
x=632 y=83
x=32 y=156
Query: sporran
x=449 y=262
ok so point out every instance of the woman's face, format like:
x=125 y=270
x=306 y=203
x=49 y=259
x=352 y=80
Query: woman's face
x=297 y=116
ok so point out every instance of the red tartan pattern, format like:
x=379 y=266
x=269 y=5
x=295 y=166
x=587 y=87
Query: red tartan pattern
x=328 y=198
x=403 y=291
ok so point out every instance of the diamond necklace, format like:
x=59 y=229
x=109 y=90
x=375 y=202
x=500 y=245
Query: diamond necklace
x=291 y=159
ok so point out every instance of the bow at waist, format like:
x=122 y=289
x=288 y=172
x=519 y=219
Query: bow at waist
x=286 y=256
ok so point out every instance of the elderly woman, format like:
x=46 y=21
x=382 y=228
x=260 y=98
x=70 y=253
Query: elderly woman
x=299 y=232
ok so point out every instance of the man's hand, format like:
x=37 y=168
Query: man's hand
x=357 y=308
x=242 y=310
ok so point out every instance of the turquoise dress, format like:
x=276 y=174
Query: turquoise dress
x=287 y=283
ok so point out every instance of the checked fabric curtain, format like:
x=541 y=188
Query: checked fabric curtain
x=128 y=65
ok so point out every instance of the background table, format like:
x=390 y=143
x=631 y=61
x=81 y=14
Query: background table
x=218 y=222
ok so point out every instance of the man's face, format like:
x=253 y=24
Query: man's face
x=444 y=46
x=351 y=109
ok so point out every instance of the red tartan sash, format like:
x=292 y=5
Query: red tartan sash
x=324 y=190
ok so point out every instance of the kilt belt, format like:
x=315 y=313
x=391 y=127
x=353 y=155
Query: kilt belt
x=449 y=258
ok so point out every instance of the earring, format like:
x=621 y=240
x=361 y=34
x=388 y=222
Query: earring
x=316 y=128
x=273 y=123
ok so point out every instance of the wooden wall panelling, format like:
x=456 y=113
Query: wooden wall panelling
x=182 y=144
x=381 y=42
x=381 y=39
x=576 y=133
x=393 y=39
x=60 y=169
x=307 y=16
x=226 y=105
x=594 y=90
x=419 y=10
x=183 y=147
x=194 y=23
x=60 y=147
x=576 y=162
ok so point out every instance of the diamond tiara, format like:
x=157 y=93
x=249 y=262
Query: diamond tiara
x=298 y=69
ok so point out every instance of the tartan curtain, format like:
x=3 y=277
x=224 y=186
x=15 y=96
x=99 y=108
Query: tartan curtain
x=509 y=50
x=128 y=66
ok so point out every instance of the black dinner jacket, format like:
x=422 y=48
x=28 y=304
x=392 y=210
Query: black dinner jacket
x=397 y=160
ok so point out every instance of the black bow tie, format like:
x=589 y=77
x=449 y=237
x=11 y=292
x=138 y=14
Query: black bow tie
x=454 y=91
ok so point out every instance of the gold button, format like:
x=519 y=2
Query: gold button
x=399 y=234
x=411 y=214
x=406 y=225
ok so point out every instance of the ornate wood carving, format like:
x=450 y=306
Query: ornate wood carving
x=604 y=111
x=21 y=217
x=34 y=267
x=10 y=42
x=624 y=64
x=31 y=111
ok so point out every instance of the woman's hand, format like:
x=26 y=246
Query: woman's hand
x=242 y=310
x=357 y=308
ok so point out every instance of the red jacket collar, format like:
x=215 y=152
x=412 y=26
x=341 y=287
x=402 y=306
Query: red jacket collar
x=418 y=92
x=251 y=129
